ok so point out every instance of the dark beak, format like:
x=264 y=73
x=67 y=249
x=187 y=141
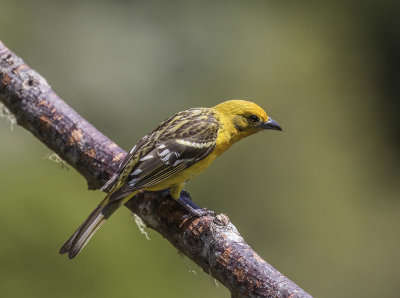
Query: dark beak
x=270 y=124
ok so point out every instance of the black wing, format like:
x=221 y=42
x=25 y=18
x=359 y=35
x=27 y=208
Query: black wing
x=127 y=162
x=175 y=145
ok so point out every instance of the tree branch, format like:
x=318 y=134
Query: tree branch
x=212 y=242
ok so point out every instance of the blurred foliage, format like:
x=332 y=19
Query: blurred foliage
x=320 y=201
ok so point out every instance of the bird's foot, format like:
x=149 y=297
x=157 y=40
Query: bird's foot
x=190 y=206
x=198 y=212
x=193 y=209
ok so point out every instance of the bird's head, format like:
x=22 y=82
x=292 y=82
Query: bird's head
x=246 y=117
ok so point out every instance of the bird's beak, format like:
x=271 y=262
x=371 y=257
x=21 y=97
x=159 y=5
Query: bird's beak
x=270 y=124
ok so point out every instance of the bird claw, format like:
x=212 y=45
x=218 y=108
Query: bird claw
x=198 y=213
x=189 y=205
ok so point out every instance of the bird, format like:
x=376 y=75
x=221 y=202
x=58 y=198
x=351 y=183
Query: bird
x=179 y=149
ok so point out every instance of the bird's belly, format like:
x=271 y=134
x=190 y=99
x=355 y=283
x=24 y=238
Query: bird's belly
x=185 y=175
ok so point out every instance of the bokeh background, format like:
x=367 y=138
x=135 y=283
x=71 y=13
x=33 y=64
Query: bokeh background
x=320 y=201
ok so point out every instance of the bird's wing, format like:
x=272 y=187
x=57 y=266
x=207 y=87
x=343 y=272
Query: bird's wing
x=128 y=162
x=174 y=146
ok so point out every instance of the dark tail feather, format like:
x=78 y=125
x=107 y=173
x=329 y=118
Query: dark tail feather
x=89 y=227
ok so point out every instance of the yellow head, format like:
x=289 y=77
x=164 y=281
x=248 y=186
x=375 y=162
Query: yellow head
x=245 y=117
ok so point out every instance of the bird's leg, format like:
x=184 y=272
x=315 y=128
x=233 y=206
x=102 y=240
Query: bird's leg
x=194 y=210
x=186 y=202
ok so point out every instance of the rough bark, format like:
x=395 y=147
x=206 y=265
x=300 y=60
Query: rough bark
x=212 y=242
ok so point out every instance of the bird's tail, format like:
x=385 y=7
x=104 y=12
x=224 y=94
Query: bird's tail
x=89 y=227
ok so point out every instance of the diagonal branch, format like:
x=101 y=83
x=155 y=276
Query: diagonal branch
x=212 y=242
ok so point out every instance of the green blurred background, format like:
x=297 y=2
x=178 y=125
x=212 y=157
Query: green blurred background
x=319 y=201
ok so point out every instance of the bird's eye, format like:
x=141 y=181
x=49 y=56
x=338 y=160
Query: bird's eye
x=253 y=119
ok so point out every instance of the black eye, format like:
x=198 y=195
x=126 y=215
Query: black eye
x=253 y=119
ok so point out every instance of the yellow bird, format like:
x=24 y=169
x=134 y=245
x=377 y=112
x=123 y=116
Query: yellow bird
x=179 y=149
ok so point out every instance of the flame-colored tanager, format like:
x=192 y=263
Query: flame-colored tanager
x=179 y=149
